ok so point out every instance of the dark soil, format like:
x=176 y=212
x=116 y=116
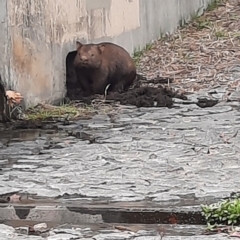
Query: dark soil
x=146 y=97
x=140 y=95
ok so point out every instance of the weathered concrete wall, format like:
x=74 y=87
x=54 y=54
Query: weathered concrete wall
x=37 y=35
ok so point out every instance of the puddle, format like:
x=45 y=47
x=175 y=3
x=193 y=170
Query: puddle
x=25 y=135
x=112 y=213
x=143 y=216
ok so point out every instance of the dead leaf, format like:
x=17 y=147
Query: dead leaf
x=204 y=51
x=161 y=231
x=13 y=97
x=14 y=198
x=173 y=220
x=122 y=228
x=235 y=234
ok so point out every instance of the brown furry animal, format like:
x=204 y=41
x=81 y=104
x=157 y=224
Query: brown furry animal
x=98 y=65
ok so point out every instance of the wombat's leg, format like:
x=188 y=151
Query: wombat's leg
x=118 y=87
x=128 y=81
x=123 y=84
x=98 y=87
x=99 y=83
x=86 y=87
x=83 y=83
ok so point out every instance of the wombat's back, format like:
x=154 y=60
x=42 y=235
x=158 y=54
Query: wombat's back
x=114 y=51
x=120 y=65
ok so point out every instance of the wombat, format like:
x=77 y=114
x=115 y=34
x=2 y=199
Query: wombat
x=98 y=65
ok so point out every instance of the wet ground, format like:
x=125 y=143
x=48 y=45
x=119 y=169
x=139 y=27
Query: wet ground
x=138 y=173
x=143 y=93
x=137 y=166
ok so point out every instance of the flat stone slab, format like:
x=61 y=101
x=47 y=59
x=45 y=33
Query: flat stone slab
x=155 y=154
x=86 y=233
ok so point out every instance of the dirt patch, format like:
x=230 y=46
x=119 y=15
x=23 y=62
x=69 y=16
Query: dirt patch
x=146 y=97
x=143 y=93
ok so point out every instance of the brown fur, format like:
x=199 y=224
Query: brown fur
x=98 y=65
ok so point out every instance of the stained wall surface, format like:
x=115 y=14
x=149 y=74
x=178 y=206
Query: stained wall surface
x=37 y=35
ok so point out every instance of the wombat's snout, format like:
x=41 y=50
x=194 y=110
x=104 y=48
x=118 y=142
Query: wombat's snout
x=84 y=59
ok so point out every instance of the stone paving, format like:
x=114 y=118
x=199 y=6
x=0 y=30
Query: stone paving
x=155 y=154
x=8 y=233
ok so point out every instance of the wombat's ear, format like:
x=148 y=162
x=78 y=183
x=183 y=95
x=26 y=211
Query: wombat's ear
x=101 y=48
x=78 y=44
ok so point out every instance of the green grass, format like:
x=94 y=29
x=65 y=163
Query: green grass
x=201 y=22
x=66 y=111
x=214 y=4
x=220 y=34
x=139 y=53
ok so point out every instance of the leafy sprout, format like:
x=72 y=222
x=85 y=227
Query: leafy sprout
x=225 y=212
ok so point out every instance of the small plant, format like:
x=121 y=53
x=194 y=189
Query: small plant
x=69 y=111
x=226 y=212
x=220 y=34
x=202 y=23
x=43 y=112
x=139 y=53
x=214 y=4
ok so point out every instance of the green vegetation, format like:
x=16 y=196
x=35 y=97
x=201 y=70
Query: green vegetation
x=214 y=4
x=66 y=111
x=226 y=212
x=220 y=34
x=139 y=53
x=202 y=23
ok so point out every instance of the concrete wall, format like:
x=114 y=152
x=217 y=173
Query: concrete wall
x=37 y=35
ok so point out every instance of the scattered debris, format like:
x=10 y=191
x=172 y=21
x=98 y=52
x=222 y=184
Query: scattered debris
x=204 y=102
x=202 y=54
x=40 y=229
x=66 y=112
x=146 y=97
x=15 y=198
x=122 y=228
x=10 y=104
x=13 y=98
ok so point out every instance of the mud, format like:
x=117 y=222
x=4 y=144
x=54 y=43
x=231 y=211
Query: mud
x=141 y=94
x=146 y=97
